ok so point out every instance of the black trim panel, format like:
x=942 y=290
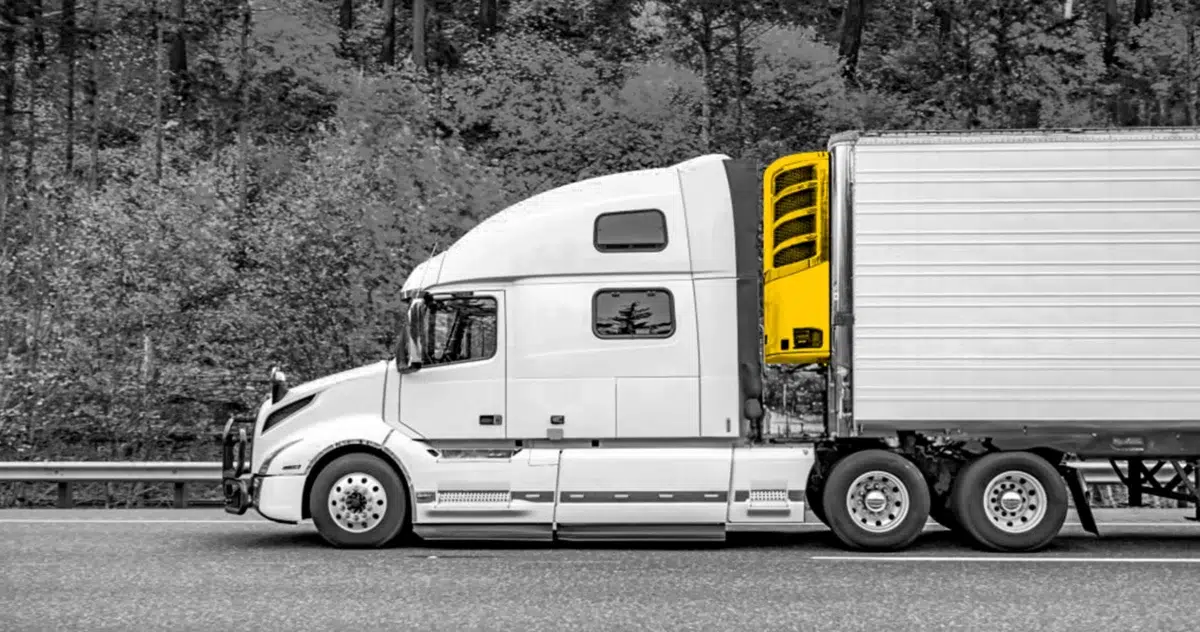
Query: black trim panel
x=641 y=532
x=279 y=415
x=652 y=496
x=744 y=192
x=644 y=497
x=519 y=532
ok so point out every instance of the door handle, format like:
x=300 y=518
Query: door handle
x=491 y=420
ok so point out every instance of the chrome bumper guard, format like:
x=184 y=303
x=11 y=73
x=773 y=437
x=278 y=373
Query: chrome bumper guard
x=238 y=489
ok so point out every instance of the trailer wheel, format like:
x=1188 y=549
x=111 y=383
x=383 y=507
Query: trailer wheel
x=358 y=501
x=1010 y=501
x=876 y=500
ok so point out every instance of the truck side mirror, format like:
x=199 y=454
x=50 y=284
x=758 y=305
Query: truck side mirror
x=401 y=350
x=414 y=337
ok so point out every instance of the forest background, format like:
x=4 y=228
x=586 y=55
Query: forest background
x=194 y=190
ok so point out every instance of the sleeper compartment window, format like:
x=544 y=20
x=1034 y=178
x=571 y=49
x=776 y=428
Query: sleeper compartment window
x=631 y=231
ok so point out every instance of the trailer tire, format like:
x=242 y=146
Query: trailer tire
x=1010 y=501
x=889 y=505
x=358 y=501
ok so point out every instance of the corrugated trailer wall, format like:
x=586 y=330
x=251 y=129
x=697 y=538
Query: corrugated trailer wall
x=1032 y=279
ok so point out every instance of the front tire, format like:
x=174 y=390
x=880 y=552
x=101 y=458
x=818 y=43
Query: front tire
x=358 y=501
x=876 y=500
x=1010 y=501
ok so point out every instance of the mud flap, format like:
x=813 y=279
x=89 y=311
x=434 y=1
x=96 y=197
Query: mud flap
x=1082 y=507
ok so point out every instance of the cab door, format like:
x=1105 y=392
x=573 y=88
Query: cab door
x=459 y=391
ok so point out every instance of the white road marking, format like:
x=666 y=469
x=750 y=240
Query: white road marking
x=1007 y=558
x=1174 y=523
x=1180 y=523
x=127 y=521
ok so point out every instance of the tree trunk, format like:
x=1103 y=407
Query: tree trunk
x=158 y=90
x=66 y=47
x=180 y=82
x=853 y=18
x=346 y=25
x=1190 y=70
x=969 y=89
x=1112 y=21
x=489 y=17
x=1004 y=19
x=346 y=16
x=33 y=208
x=33 y=75
x=1142 y=10
x=706 y=63
x=418 y=33
x=8 y=90
x=387 y=56
x=945 y=18
x=38 y=37
x=741 y=81
x=92 y=91
x=243 y=106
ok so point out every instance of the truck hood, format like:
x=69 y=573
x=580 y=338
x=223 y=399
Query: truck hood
x=369 y=371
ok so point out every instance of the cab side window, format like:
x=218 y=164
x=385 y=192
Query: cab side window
x=463 y=329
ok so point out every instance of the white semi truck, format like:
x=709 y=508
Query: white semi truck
x=991 y=307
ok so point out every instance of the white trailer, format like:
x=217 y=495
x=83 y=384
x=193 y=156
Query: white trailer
x=586 y=363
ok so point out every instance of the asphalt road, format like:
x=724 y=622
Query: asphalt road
x=199 y=569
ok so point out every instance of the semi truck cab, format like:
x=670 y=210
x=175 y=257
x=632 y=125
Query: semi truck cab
x=581 y=365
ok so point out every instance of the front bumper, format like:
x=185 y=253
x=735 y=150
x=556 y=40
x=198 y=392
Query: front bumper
x=238 y=486
x=241 y=494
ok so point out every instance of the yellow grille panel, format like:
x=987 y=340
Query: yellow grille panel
x=796 y=259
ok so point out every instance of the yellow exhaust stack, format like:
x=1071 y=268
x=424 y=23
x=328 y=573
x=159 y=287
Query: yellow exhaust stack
x=796 y=259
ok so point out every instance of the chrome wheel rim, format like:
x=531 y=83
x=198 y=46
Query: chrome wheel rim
x=357 y=502
x=877 y=501
x=1014 y=501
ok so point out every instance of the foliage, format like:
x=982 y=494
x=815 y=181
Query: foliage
x=302 y=178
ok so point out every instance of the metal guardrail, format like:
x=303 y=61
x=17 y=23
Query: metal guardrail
x=66 y=473
x=180 y=473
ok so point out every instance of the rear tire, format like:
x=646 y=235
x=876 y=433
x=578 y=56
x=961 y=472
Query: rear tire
x=876 y=500
x=358 y=501
x=1010 y=501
